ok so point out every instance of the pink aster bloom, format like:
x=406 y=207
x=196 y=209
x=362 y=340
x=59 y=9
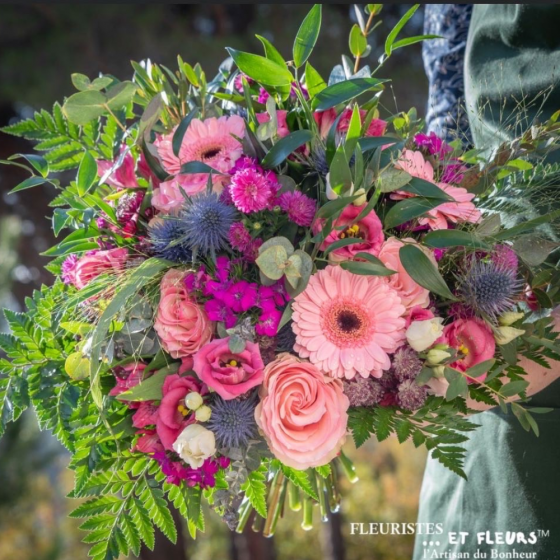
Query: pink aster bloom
x=300 y=208
x=252 y=191
x=461 y=210
x=348 y=324
x=239 y=236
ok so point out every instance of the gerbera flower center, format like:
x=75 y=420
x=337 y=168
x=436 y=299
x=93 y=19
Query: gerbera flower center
x=346 y=323
x=209 y=152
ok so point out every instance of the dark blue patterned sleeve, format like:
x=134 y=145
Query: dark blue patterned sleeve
x=444 y=62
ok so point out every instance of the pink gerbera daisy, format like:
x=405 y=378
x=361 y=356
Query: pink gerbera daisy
x=348 y=324
x=213 y=141
x=461 y=210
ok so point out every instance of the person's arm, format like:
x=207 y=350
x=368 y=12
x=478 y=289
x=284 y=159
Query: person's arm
x=538 y=377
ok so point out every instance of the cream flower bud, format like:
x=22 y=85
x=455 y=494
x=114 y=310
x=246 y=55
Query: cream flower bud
x=504 y=335
x=439 y=372
x=331 y=195
x=203 y=413
x=436 y=357
x=509 y=318
x=195 y=444
x=362 y=198
x=422 y=334
x=193 y=401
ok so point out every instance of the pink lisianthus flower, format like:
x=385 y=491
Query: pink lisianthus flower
x=302 y=413
x=281 y=115
x=182 y=325
x=173 y=416
x=411 y=293
x=474 y=341
x=369 y=229
x=127 y=376
x=326 y=119
x=229 y=374
x=123 y=177
x=462 y=210
x=91 y=265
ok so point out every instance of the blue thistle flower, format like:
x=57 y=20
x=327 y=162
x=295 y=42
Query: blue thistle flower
x=488 y=288
x=233 y=421
x=206 y=222
x=167 y=239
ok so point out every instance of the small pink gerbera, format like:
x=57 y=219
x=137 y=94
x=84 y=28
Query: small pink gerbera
x=461 y=210
x=348 y=324
x=213 y=141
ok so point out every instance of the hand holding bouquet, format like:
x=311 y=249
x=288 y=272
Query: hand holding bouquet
x=254 y=267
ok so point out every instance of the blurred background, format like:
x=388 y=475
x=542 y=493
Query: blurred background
x=40 y=46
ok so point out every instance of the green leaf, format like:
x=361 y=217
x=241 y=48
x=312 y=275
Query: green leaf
x=334 y=206
x=307 y=36
x=481 y=368
x=87 y=173
x=514 y=388
x=392 y=179
x=366 y=268
x=28 y=183
x=353 y=134
x=412 y=41
x=261 y=69
x=301 y=480
x=120 y=95
x=533 y=249
x=389 y=42
x=342 y=243
x=39 y=163
x=340 y=175
x=323 y=471
x=454 y=238
x=150 y=116
x=345 y=91
x=374 y=142
x=149 y=389
x=357 y=41
x=181 y=129
x=525 y=226
x=284 y=147
x=422 y=270
x=458 y=386
x=236 y=344
x=255 y=490
x=271 y=52
x=83 y=107
x=424 y=188
x=80 y=81
x=409 y=209
x=313 y=81
x=197 y=167
x=139 y=277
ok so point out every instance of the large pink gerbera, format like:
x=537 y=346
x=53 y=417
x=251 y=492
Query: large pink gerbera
x=212 y=141
x=347 y=324
x=462 y=210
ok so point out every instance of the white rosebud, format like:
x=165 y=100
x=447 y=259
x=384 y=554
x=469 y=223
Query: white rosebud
x=195 y=444
x=435 y=356
x=193 y=401
x=422 y=334
x=203 y=413
x=362 y=198
x=509 y=318
x=504 y=335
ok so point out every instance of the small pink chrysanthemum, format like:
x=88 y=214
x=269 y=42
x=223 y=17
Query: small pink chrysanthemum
x=461 y=210
x=348 y=324
x=239 y=237
x=300 y=208
x=212 y=141
x=251 y=190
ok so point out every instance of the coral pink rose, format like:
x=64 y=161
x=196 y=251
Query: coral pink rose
x=461 y=210
x=474 y=341
x=229 y=374
x=302 y=413
x=182 y=325
x=418 y=313
x=91 y=265
x=368 y=229
x=411 y=293
x=172 y=415
x=283 y=129
x=325 y=120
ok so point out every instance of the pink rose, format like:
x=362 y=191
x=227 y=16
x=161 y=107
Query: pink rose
x=368 y=229
x=229 y=374
x=411 y=293
x=474 y=341
x=182 y=325
x=173 y=416
x=283 y=129
x=302 y=413
x=418 y=313
x=91 y=265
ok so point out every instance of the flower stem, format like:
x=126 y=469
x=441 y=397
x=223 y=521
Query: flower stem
x=273 y=504
x=294 y=497
x=244 y=512
x=307 y=523
x=322 y=498
x=348 y=468
x=332 y=492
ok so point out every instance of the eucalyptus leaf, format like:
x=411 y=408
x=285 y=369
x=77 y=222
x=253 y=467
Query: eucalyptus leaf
x=392 y=179
x=236 y=344
x=533 y=249
x=83 y=107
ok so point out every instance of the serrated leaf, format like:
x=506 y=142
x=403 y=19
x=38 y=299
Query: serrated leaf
x=256 y=491
x=301 y=480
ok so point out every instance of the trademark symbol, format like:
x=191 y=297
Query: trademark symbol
x=542 y=533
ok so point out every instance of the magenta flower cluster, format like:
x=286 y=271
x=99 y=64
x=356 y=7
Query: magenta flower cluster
x=230 y=297
x=177 y=471
x=453 y=169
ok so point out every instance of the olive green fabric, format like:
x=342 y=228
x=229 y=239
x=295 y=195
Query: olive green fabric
x=512 y=76
x=512 y=70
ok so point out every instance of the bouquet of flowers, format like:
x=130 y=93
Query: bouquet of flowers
x=254 y=267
